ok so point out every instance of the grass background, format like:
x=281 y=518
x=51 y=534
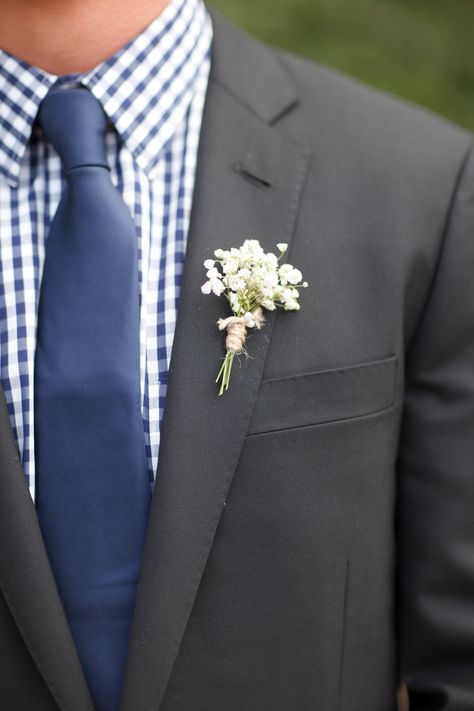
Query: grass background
x=422 y=50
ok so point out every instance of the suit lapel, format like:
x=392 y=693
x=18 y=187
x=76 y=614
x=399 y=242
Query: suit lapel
x=240 y=157
x=27 y=582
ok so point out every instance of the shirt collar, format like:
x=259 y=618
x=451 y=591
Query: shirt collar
x=145 y=88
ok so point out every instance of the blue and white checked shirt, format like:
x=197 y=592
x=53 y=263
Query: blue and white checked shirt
x=153 y=92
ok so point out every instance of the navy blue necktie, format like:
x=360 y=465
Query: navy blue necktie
x=93 y=490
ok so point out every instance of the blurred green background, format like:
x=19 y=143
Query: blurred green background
x=422 y=50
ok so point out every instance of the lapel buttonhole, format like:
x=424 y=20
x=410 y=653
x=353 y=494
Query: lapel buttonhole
x=249 y=174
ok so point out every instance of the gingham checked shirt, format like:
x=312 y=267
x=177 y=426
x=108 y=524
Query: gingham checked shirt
x=153 y=92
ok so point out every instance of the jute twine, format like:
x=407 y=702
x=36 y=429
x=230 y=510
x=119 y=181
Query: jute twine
x=237 y=330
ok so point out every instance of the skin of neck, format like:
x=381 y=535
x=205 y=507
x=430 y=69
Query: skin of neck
x=69 y=36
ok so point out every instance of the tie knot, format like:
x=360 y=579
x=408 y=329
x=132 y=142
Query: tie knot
x=74 y=122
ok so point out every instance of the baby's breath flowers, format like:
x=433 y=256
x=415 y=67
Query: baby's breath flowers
x=251 y=280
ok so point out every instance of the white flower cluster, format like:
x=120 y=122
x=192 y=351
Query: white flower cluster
x=249 y=277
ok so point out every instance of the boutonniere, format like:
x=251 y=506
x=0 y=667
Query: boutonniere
x=251 y=280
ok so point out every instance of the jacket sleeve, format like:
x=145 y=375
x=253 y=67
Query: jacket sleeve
x=435 y=522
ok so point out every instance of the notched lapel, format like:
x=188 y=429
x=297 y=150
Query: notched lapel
x=28 y=585
x=202 y=433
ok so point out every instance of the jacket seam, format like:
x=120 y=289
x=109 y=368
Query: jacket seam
x=444 y=237
x=349 y=370
x=323 y=423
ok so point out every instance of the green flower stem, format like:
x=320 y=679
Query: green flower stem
x=225 y=370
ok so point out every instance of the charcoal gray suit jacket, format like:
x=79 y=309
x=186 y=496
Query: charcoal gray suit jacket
x=311 y=538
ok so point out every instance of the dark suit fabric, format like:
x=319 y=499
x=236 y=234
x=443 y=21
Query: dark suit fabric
x=311 y=538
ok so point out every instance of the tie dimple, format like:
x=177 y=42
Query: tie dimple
x=74 y=122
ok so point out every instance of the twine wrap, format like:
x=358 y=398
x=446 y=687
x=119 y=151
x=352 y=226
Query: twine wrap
x=237 y=329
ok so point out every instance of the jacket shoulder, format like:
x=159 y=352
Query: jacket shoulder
x=334 y=103
x=339 y=117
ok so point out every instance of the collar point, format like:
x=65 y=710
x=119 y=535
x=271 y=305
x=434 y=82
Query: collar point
x=12 y=179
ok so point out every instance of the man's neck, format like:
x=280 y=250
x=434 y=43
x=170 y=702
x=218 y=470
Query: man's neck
x=69 y=36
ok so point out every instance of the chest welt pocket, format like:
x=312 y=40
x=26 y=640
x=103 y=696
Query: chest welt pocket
x=324 y=396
